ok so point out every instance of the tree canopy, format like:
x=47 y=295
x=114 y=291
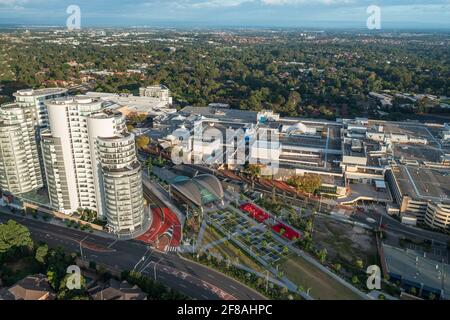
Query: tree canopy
x=14 y=236
x=308 y=183
x=142 y=141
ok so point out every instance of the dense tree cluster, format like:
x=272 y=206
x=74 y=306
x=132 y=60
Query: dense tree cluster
x=327 y=77
x=308 y=183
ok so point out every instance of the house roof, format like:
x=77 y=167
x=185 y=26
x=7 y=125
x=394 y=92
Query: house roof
x=115 y=290
x=30 y=288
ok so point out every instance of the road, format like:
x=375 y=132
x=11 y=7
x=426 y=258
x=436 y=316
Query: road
x=397 y=228
x=171 y=270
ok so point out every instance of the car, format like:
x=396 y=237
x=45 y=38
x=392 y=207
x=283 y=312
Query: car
x=370 y=220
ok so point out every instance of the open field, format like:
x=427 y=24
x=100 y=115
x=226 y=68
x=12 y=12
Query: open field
x=345 y=243
x=323 y=287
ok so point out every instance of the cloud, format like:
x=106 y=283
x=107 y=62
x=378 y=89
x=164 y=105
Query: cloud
x=298 y=2
x=223 y=12
x=13 y=4
x=219 y=3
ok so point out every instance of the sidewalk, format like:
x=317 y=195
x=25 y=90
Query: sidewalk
x=56 y=222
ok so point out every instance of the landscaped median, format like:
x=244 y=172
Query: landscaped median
x=70 y=221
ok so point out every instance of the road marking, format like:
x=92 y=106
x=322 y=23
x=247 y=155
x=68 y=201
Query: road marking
x=112 y=243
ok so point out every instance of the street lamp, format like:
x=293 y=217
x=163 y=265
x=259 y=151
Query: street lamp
x=141 y=260
x=154 y=269
x=81 y=247
x=320 y=202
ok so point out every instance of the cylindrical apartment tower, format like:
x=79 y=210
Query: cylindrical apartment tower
x=122 y=183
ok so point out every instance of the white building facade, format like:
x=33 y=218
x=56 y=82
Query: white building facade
x=73 y=149
x=36 y=98
x=158 y=91
x=19 y=161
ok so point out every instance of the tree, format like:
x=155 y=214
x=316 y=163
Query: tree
x=142 y=141
x=14 y=236
x=52 y=278
x=290 y=108
x=41 y=253
x=149 y=165
x=64 y=293
x=359 y=263
x=254 y=171
x=309 y=225
x=308 y=183
x=130 y=127
x=322 y=254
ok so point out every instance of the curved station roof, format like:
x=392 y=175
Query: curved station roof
x=201 y=190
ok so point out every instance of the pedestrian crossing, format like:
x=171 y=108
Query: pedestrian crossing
x=172 y=249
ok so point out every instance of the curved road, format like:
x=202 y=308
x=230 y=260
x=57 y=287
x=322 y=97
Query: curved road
x=190 y=278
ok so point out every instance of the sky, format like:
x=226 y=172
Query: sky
x=408 y=14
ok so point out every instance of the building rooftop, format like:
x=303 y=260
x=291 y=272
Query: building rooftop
x=115 y=290
x=417 y=269
x=221 y=113
x=129 y=103
x=30 y=288
x=201 y=190
x=80 y=99
x=39 y=92
x=423 y=183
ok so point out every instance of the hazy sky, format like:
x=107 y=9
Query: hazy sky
x=284 y=13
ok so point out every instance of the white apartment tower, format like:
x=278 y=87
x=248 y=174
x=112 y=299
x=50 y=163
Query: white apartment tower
x=19 y=161
x=122 y=182
x=36 y=98
x=90 y=162
x=160 y=92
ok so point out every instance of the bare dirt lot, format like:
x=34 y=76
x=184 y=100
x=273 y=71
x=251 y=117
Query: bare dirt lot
x=345 y=242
